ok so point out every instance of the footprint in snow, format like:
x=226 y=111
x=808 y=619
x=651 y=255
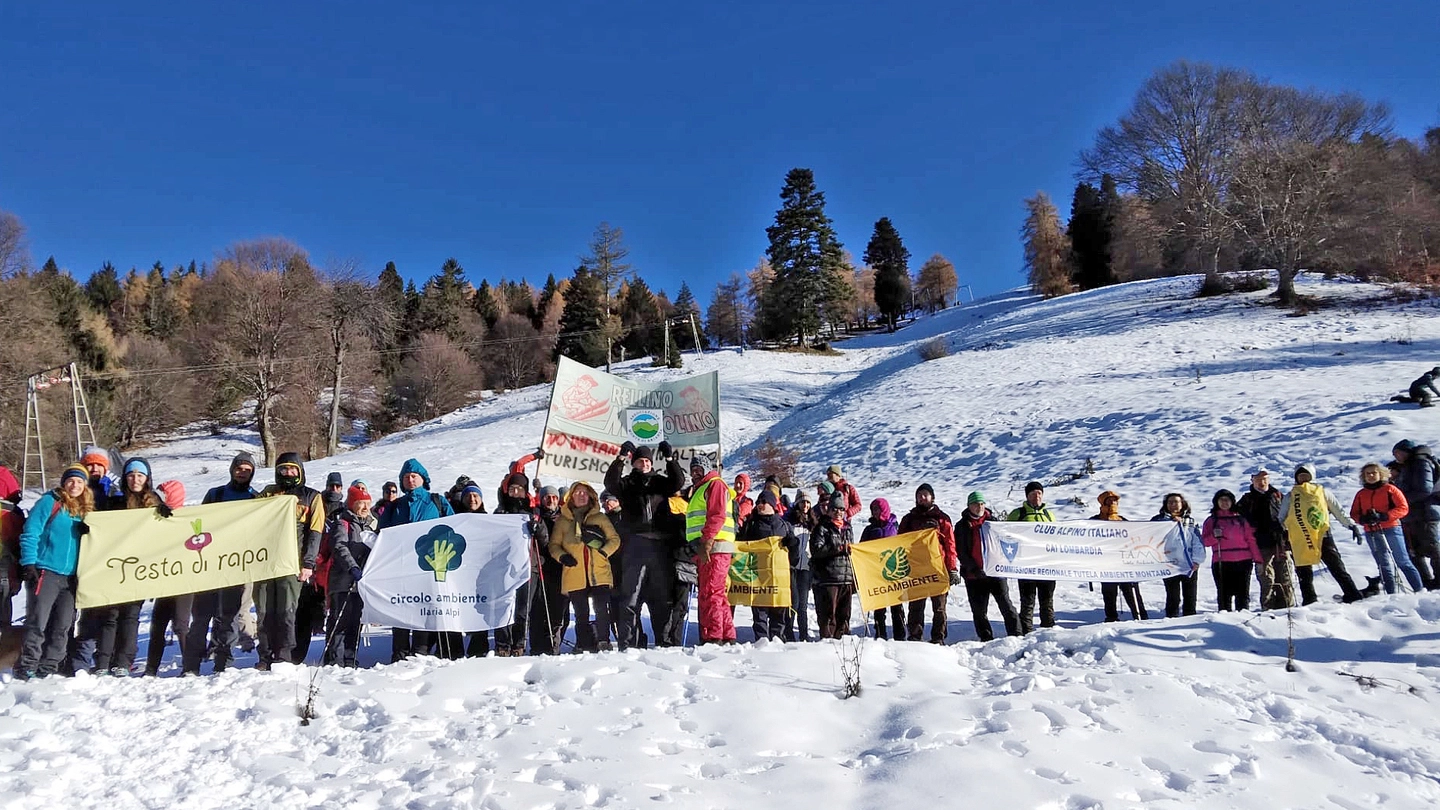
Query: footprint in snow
x=1173 y=779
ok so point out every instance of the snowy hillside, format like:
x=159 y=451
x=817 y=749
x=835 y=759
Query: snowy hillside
x=1154 y=389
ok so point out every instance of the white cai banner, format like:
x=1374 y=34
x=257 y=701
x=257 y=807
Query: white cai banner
x=455 y=574
x=1086 y=550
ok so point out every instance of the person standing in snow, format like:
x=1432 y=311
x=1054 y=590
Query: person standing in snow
x=417 y=504
x=550 y=610
x=1188 y=550
x=1261 y=506
x=49 y=551
x=1110 y=591
x=801 y=518
x=883 y=524
x=514 y=499
x=168 y=611
x=389 y=492
x=220 y=607
x=583 y=543
x=12 y=522
x=1312 y=500
x=647 y=567
x=831 y=572
x=926 y=515
x=710 y=534
x=276 y=599
x=1379 y=506
x=744 y=504
x=836 y=478
x=1034 y=510
x=766 y=521
x=1236 y=552
x=980 y=588
x=1418 y=480
x=106 y=489
x=351 y=537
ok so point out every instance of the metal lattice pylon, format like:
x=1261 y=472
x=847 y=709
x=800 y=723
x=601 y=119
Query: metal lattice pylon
x=34 y=461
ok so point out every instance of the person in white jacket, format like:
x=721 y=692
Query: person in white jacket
x=1186 y=545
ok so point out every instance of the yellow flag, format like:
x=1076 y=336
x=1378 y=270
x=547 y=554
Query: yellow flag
x=759 y=574
x=1307 y=522
x=899 y=569
x=134 y=554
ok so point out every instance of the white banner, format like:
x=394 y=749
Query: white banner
x=1087 y=550
x=454 y=574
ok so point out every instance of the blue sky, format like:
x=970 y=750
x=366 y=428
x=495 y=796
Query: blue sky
x=502 y=133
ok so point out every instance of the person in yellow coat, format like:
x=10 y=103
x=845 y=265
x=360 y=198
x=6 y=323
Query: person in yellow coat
x=583 y=542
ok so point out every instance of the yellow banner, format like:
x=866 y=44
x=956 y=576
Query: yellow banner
x=134 y=554
x=1307 y=522
x=899 y=569
x=759 y=574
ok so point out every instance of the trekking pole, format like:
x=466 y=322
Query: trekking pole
x=308 y=712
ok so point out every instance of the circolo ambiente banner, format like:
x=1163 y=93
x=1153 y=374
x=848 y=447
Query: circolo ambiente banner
x=759 y=574
x=1103 y=550
x=899 y=569
x=453 y=574
x=592 y=413
x=134 y=554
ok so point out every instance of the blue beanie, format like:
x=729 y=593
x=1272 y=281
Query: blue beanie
x=137 y=464
x=414 y=466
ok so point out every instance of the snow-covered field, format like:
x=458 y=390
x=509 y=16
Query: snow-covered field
x=1154 y=389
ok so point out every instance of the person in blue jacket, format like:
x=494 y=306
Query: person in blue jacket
x=49 y=551
x=417 y=504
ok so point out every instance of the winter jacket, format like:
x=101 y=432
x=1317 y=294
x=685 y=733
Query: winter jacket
x=1025 y=513
x=12 y=522
x=1187 y=546
x=852 y=499
x=883 y=526
x=1332 y=504
x=931 y=517
x=744 y=504
x=229 y=492
x=418 y=504
x=575 y=529
x=645 y=498
x=1417 y=481
x=1262 y=509
x=1236 y=542
x=350 y=540
x=1385 y=498
x=539 y=529
x=51 y=537
x=830 y=554
x=333 y=502
x=759 y=527
x=717 y=513
x=309 y=512
x=801 y=527
x=970 y=543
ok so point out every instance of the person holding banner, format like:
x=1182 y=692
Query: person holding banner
x=168 y=611
x=1180 y=590
x=277 y=599
x=549 y=608
x=220 y=607
x=1111 y=591
x=831 y=571
x=801 y=518
x=417 y=504
x=765 y=522
x=883 y=524
x=1034 y=510
x=926 y=515
x=1236 y=552
x=49 y=552
x=12 y=522
x=979 y=587
x=352 y=535
x=647 y=567
x=836 y=478
x=710 y=534
x=515 y=500
x=583 y=542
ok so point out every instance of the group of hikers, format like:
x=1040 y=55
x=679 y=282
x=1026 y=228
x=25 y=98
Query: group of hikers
x=648 y=542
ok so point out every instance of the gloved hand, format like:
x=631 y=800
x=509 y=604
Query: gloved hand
x=595 y=543
x=627 y=449
x=535 y=526
x=356 y=573
x=1373 y=517
x=163 y=510
x=954 y=577
x=83 y=527
x=539 y=454
x=1359 y=536
x=568 y=560
x=30 y=574
x=665 y=450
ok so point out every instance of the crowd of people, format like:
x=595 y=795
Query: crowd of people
x=652 y=540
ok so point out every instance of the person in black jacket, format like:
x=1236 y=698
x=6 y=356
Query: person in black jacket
x=1418 y=479
x=647 y=567
x=219 y=607
x=514 y=499
x=276 y=599
x=980 y=588
x=765 y=521
x=833 y=575
x=351 y=536
x=1261 y=506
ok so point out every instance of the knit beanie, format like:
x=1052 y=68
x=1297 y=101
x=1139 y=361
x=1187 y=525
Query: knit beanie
x=1034 y=485
x=975 y=497
x=354 y=496
x=926 y=488
x=75 y=471
x=95 y=455
x=702 y=463
x=241 y=458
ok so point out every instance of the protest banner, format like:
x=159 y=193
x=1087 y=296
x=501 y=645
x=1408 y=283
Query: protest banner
x=1085 y=550
x=759 y=574
x=134 y=554
x=453 y=574
x=895 y=570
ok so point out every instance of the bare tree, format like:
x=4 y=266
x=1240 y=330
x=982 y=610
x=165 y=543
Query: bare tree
x=865 y=308
x=1047 y=248
x=437 y=378
x=516 y=354
x=354 y=317
x=14 y=247
x=150 y=394
x=1136 y=240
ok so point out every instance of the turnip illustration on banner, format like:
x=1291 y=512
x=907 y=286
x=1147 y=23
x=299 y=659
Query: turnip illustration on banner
x=454 y=574
x=1085 y=550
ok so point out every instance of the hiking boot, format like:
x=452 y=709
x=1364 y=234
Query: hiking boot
x=119 y=672
x=604 y=646
x=23 y=674
x=262 y=666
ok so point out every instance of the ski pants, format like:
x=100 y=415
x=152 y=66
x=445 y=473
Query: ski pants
x=217 y=609
x=716 y=622
x=1031 y=592
x=168 y=611
x=275 y=602
x=49 y=613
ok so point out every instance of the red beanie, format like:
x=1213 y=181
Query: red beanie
x=354 y=496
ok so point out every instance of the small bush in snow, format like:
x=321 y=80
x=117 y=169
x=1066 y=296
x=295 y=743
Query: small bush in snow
x=1233 y=283
x=934 y=349
x=774 y=458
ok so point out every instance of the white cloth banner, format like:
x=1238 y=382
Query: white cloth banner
x=1087 y=550
x=455 y=574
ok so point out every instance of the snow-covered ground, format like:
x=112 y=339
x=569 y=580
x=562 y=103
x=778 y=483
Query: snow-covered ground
x=1154 y=389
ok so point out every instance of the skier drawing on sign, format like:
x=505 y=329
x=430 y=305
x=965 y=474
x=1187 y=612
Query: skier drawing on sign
x=578 y=404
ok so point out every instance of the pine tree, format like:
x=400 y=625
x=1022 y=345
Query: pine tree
x=390 y=288
x=581 y=323
x=547 y=294
x=806 y=258
x=390 y=299
x=640 y=316
x=1089 y=234
x=606 y=262
x=442 y=300
x=685 y=307
x=160 y=316
x=103 y=289
x=485 y=305
x=1047 y=248
x=887 y=254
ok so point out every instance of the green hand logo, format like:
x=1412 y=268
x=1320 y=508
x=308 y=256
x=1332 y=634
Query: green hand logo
x=895 y=564
x=440 y=550
x=743 y=567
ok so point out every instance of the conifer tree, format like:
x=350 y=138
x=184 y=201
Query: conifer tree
x=727 y=316
x=640 y=317
x=581 y=323
x=1089 y=234
x=485 y=305
x=891 y=260
x=806 y=258
x=103 y=289
x=442 y=301
x=1047 y=248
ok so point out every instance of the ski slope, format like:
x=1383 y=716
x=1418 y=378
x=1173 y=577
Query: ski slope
x=1155 y=390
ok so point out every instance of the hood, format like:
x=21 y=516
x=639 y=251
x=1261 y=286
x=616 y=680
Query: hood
x=594 y=496
x=292 y=458
x=884 y=509
x=414 y=466
x=743 y=481
x=1423 y=450
x=9 y=487
x=137 y=464
x=173 y=493
x=1309 y=468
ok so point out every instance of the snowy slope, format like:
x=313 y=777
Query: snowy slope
x=1160 y=391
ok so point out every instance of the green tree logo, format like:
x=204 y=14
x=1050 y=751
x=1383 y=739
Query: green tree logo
x=894 y=564
x=743 y=567
x=440 y=551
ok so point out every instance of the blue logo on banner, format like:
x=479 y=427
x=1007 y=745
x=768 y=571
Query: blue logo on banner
x=1010 y=549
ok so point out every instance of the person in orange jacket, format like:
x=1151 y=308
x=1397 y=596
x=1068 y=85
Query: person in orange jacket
x=1379 y=506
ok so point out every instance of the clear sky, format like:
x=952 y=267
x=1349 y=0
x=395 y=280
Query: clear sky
x=502 y=133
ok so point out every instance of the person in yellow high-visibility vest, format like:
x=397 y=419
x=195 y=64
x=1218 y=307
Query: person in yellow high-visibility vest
x=710 y=533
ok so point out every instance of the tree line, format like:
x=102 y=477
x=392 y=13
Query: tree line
x=1215 y=169
x=311 y=355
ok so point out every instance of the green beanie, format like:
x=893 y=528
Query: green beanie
x=975 y=497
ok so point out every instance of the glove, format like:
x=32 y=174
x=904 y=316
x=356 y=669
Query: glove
x=595 y=543
x=1359 y=537
x=534 y=526
x=568 y=560
x=665 y=450
x=539 y=454
x=1373 y=517
x=30 y=574
x=627 y=449
x=954 y=577
x=356 y=573
x=83 y=527
x=163 y=510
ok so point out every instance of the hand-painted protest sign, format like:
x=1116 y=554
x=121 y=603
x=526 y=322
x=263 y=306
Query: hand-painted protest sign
x=899 y=569
x=1103 y=550
x=134 y=554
